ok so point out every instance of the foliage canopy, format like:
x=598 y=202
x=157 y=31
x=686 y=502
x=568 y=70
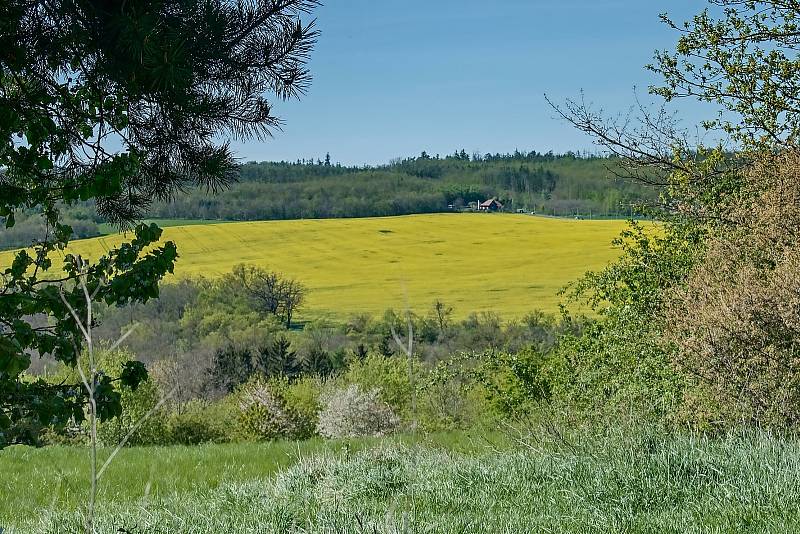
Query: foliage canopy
x=120 y=103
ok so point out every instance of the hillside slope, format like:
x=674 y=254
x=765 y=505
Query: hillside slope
x=562 y=185
x=510 y=264
x=553 y=184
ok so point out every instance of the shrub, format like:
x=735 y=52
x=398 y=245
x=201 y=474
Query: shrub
x=618 y=365
x=353 y=412
x=514 y=382
x=736 y=323
x=136 y=404
x=452 y=404
x=186 y=375
x=199 y=422
x=72 y=434
x=391 y=376
x=302 y=397
x=449 y=397
x=264 y=413
x=482 y=331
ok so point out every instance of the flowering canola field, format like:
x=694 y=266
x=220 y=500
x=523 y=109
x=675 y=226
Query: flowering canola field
x=509 y=264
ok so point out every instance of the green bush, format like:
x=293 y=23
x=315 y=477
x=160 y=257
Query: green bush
x=264 y=414
x=453 y=404
x=514 y=382
x=617 y=367
x=136 y=405
x=200 y=422
x=391 y=376
x=135 y=408
x=620 y=364
x=71 y=436
x=302 y=397
x=450 y=398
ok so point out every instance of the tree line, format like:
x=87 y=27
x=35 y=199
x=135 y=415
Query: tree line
x=552 y=184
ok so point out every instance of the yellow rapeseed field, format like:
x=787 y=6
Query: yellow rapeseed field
x=510 y=264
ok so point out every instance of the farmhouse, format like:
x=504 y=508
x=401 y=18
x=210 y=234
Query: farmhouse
x=490 y=205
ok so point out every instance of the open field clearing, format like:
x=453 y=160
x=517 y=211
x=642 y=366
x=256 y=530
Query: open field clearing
x=56 y=477
x=644 y=482
x=510 y=264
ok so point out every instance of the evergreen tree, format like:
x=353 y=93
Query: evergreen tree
x=120 y=103
x=230 y=368
x=277 y=359
x=317 y=362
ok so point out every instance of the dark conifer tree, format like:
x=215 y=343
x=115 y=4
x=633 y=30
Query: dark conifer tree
x=317 y=362
x=230 y=367
x=277 y=359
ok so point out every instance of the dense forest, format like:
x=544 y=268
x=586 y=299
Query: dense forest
x=564 y=185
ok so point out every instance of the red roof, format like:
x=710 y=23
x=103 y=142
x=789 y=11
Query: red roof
x=490 y=202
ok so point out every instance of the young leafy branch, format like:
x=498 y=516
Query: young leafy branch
x=96 y=383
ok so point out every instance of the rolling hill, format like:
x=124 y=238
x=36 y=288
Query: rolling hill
x=510 y=264
x=552 y=184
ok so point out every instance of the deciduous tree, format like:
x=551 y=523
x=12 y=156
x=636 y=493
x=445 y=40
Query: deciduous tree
x=121 y=103
x=269 y=292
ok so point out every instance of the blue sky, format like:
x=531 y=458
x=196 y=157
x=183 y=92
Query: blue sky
x=395 y=77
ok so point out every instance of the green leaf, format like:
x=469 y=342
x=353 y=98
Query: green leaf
x=133 y=374
x=12 y=363
x=44 y=163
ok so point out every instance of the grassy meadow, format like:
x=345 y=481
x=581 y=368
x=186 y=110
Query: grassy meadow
x=639 y=482
x=510 y=264
x=56 y=478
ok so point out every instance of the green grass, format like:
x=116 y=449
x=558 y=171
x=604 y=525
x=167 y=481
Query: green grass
x=35 y=481
x=644 y=482
x=510 y=264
